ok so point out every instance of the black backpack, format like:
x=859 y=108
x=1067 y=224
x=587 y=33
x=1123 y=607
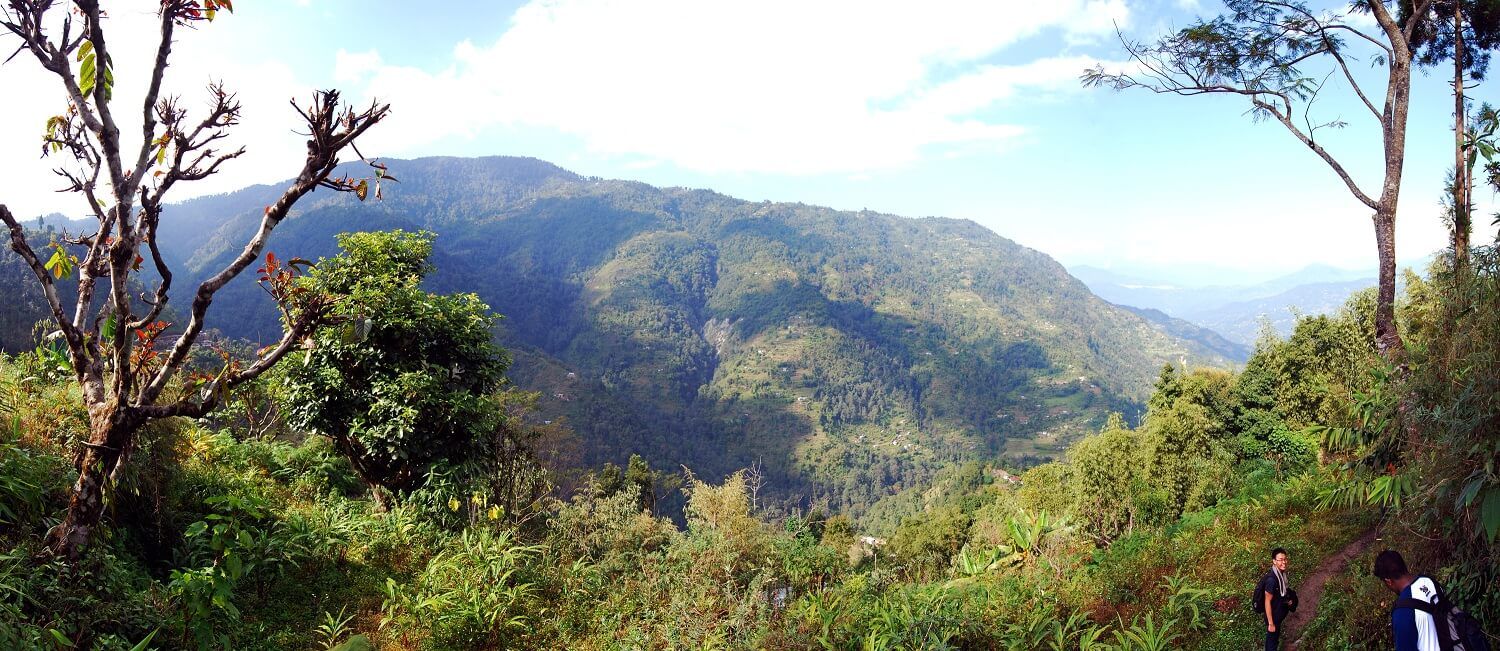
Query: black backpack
x=1258 y=601
x=1457 y=630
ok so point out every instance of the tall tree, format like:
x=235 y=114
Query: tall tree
x=129 y=365
x=1259 y=50
x=1464 y=33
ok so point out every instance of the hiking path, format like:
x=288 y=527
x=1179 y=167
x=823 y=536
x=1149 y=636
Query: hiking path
x=1311 y=589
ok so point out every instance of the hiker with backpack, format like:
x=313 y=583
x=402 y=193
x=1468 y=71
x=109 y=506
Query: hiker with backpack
x=1274 y=598
x=1422 y=617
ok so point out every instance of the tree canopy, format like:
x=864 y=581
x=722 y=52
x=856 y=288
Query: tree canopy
x=402 y=378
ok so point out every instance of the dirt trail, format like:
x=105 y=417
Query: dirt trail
x=1310 y=590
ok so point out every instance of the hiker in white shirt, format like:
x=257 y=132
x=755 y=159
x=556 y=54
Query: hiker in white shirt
x=1413 y=629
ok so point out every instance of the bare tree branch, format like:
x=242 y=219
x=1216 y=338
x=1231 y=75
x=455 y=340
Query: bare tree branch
x=1373 y=41
x=148 y=105
x=1349 y=76
x=108 y=133
x=224 y=113
x=1331 y=47
x=1416 y=17
x=330 y=130
x=212 y=393
x=1256 y=57
x=1322 y=153
x=150 y=217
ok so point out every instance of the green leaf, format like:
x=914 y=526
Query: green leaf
x=1470 y=492
x=146 y=641
x=85 y=50
x=62 y=641
x=1489 y=514
x=356 y=643
x=61 y=263
x=87 y=74
x=109 y=80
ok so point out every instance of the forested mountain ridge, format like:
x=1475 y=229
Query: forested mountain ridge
x=1205 y=337
x=848 y=354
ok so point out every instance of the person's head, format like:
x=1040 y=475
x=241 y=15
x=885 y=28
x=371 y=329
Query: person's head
x=1278 y=559
x=1390 y=568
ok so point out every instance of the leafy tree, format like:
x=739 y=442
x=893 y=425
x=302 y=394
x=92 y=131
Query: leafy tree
x=1185 y=434
x=1259 y=50
x=723 y=519
x=1045 y=488
x=402 y=381
x=1309 y=376
x=925 y=542
x=638 y=474
x=1109 y=469
x=1256 y=418
x=636 y=478
x=123 y=358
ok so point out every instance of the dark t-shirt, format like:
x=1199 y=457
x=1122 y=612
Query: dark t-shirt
x=1270 y=585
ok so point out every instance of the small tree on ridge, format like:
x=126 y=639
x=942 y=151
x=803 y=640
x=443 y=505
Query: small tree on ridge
x=404 y=382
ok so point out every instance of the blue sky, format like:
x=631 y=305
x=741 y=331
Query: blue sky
x=957 y=109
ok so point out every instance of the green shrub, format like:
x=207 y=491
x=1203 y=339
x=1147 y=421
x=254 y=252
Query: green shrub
x=479 y=591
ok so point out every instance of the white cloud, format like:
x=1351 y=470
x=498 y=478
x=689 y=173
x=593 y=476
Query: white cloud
x=1099 y=19
x=350 y=67
x=1361 y=20
x=778 y=86
x=991 y=84
x=844 y=86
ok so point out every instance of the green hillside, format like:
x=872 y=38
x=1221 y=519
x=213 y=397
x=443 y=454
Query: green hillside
x=847 y=354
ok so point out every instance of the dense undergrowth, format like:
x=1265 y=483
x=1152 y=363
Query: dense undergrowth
x=219 y=540
x=229 y=533
x=271 y=544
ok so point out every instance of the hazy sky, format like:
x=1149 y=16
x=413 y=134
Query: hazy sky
x=958 y=109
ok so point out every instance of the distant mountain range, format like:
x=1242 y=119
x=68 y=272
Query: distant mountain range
x=848 y=354
x=1236 y=312
x=1208 y=338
